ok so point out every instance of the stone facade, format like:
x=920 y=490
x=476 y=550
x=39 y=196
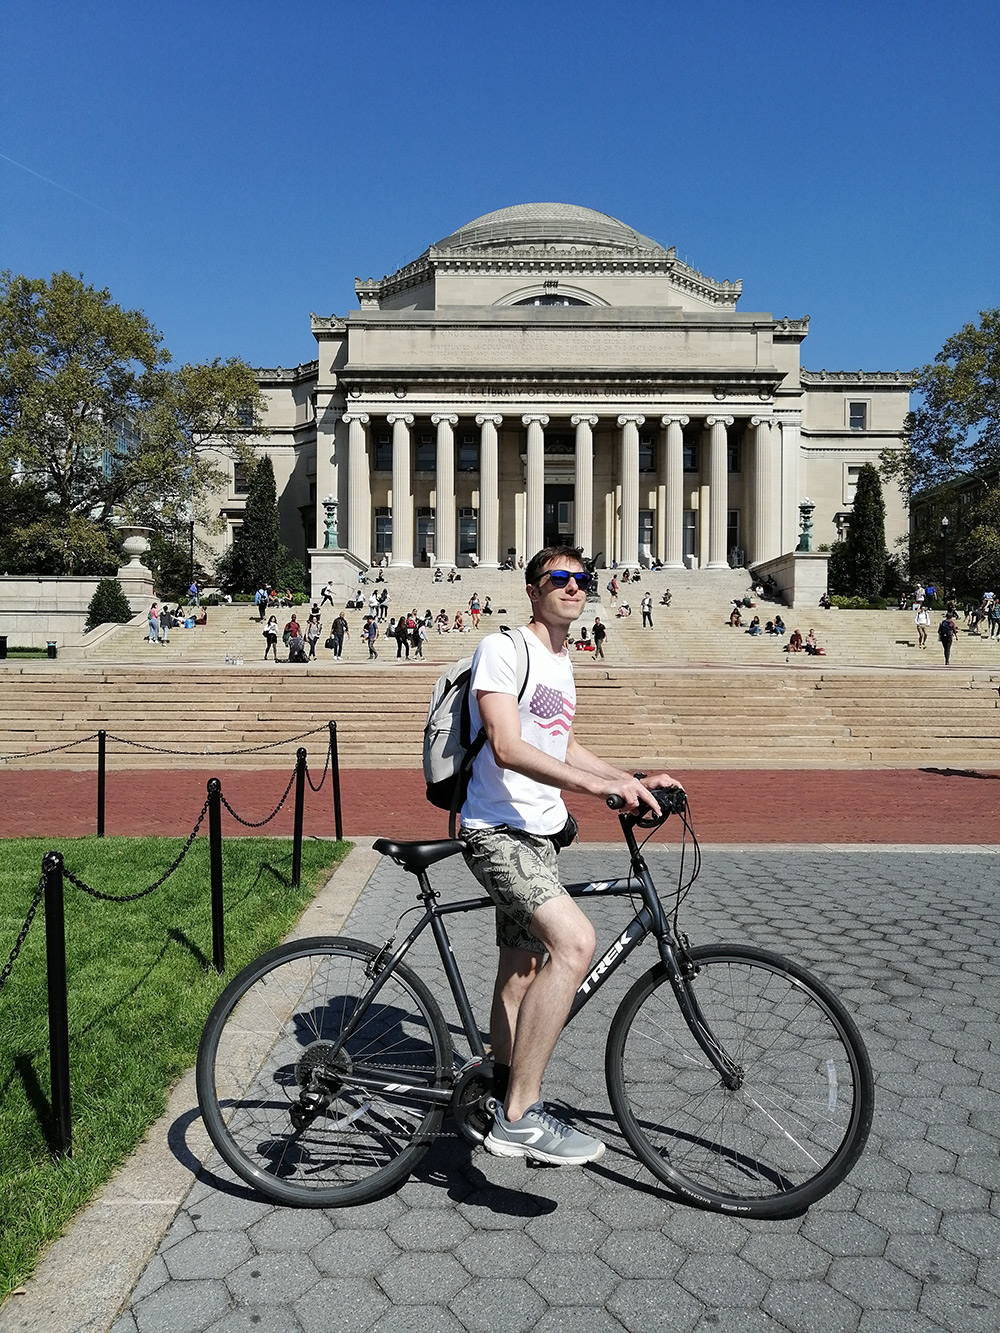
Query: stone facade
x=547 y=373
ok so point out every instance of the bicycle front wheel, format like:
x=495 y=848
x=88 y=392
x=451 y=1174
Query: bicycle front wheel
x=290 y=1105
x=801 y=1110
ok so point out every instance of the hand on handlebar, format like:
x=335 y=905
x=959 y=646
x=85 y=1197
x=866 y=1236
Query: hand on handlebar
x=660 y=795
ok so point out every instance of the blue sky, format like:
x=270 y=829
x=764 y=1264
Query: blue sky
x=229 y=167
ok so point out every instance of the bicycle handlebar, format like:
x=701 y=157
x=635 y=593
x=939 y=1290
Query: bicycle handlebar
x=671 y=800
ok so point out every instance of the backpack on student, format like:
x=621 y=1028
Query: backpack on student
x=450 y=749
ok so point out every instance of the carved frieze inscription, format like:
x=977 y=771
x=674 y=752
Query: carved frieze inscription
x=597 y=347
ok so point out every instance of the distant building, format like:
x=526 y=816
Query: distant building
x=547 y=373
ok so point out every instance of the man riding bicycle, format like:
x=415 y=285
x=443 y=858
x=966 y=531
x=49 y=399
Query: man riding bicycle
x=513 y=822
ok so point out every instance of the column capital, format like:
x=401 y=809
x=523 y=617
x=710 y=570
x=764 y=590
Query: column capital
x=761 y=421
x=584 y=420
x=719 y=421
x=350 y=417
x=631 y=419
x=405 y=417
x=449 y=418
x=494 y=419
x=674 y=420
x=538 y=417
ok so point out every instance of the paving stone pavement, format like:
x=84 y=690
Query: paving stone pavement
x=909 y=1244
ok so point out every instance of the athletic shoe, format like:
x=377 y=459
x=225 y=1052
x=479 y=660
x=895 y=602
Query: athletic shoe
x=541 y=1137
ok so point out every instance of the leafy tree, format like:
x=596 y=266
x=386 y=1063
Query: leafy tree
x=858 y=563
x=955 y=431
x=108 y=606
x=94 y=415
x=257 y=543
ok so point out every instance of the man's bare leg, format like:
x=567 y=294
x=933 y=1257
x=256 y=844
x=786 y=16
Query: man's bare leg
x=546 y=995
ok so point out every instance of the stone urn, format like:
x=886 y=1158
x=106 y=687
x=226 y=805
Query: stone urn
x=136 y=545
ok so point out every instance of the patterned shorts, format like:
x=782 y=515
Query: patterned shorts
x=518 y=871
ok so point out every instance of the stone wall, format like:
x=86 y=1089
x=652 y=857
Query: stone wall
x=37 y=609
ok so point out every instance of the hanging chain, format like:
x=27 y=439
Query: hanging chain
x=30 y=754
x=326 y=768
x=132 y=897
x=259 y=823
x=8 y=966
x=251 y=749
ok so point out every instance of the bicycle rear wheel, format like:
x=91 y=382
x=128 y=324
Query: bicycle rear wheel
x=797 y=1122
x=278 y=1088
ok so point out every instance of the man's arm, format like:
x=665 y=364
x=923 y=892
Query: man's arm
x=582 y=772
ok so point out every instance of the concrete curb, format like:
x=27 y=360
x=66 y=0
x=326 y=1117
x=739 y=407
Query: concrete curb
x=85 y=1277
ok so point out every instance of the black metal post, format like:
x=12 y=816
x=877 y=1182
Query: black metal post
x=102 y=744
x=191 y=552
x=338 y=819
x=215 y=870
x=300 y=791
x=55 y=965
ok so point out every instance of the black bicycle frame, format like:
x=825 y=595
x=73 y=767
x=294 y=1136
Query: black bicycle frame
x=649 y=919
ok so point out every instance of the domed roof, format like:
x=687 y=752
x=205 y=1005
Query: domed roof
x=547 y=224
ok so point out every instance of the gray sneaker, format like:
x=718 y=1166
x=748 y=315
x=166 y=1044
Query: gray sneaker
x=541 y=1137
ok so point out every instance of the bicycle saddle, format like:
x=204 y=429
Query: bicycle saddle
x=417 y=856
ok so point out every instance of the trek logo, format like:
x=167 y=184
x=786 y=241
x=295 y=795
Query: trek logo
x=620 y=943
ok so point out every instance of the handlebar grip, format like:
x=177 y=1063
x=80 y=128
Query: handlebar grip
x=616 y=802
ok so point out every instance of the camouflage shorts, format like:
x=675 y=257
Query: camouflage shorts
x=518 y=871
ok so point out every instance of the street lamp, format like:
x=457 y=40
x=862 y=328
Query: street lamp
x=944 y=538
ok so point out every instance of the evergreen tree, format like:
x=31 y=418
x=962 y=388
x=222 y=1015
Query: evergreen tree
x=862 y=563
x=108 y=606
x=256 y=547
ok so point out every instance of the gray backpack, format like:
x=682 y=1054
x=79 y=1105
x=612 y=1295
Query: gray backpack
x=450 y=749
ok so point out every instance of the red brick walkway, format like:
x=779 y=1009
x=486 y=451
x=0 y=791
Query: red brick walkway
x=801 y=806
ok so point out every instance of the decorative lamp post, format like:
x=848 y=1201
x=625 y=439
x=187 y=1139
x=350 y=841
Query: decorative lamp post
x=806 y=518
x=330 y=523
x=944 y=539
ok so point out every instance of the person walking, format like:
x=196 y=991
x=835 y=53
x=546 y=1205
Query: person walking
x=600 y=634
x=193 y=595
x=402 y=639
x=370 y=634
x=166 y=625
x=326 y=595
x=647 y=610
x=314 y=629
x=271 y=638
x=946 y=633
x=338 y=633
x=153 y=620
x=922 y=619
x=513 y=821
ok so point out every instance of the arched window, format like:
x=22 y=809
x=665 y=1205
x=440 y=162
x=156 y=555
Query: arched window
x=550 y=300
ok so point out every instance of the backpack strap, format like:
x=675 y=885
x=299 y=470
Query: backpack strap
x=474 y=746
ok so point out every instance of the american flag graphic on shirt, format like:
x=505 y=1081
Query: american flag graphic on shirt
x=551 y=709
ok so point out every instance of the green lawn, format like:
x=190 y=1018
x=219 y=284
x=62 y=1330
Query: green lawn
x=140 y=985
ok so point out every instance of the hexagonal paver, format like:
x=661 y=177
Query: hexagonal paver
x=212 y=1255
x=806 y=1307
x=416 y=1279
x=295 y=1229
x=192 y=1306
x=978 y=1235
x=498 y=1305
x=270 y=1279
x=573 y=1279
x=637 y=1254
x=498 y=1254
x=777 y=1256
x=644 y=1304
x=715 y=1283
x=561 y=1232
x=353 y=1253
x=428 y=1229
x=350 y=1305
x=874 y=1284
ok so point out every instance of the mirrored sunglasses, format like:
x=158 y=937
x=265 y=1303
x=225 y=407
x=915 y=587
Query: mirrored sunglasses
x=560 y=577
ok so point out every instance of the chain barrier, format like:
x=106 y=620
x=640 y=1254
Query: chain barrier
x=317 y=786
x=249 y=823
x=251 y=749
x=30 y=754
x=8 y=966
x=133 y=897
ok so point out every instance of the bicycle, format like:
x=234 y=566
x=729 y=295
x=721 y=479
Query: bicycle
x=739 y=1080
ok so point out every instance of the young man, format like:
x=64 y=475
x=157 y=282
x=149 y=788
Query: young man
x=511 y=815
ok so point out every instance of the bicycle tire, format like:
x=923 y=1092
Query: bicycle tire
x=274 y=1030
x=795 y=1126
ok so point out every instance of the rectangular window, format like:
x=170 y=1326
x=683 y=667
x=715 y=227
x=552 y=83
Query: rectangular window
x=425 y=531
x=690 y=533
x=646 y=535
x=468 y=531
x=733 y=452
x=647 y=453
x=426 y=452
x=468 y=453
x=857 y=416
x=851 y=474
x=241 y=482
x=383 y=452
x=690 y=457
x=383 y=531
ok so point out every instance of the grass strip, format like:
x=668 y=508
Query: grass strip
x=140 y=986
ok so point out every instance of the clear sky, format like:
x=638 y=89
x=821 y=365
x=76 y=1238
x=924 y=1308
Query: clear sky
x=229 y=166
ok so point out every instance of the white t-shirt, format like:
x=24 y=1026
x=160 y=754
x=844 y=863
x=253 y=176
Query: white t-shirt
x=499 y=795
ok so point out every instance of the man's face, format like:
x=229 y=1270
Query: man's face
x=561 y=604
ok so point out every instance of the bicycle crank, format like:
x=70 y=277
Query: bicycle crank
x=473 y=1101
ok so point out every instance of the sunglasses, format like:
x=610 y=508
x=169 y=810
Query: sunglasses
x=560 y=577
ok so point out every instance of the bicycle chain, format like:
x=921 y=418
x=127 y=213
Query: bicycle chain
x=249 y=823
x=133 y=897
x=8 y=967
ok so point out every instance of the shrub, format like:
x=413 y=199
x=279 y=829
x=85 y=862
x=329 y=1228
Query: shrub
x=108 y=606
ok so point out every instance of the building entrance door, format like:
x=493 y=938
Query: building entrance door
x=557 y=523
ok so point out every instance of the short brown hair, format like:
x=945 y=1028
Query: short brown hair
x=535 y=567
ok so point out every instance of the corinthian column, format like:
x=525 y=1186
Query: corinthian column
x=359 y=516
x=534 y=501
x=402 y=495
x=766 y=492
x=444 y=509
x=489 y=491
x=628 y=541
x=671 y=550
x=583 y=493
x=718 y=491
